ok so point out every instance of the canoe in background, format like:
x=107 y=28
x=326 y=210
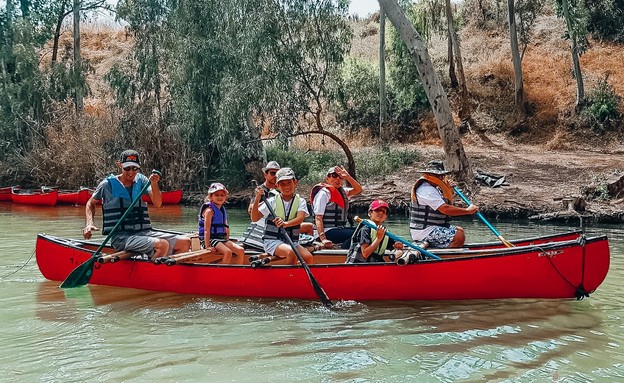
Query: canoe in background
x=46 y=197
x=172 y=197
x=79 y=197
x=5 y=194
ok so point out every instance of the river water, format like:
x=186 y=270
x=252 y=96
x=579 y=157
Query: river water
x=105 y=334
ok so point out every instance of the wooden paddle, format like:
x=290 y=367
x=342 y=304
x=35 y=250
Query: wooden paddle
x=82 y=274
x=317 y=287
x=482 y=218
x=397 y=238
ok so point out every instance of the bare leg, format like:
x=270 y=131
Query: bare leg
x=238 y=252
x=161 y=248
x=459 y=238
x=227 y=253
x=182 y=244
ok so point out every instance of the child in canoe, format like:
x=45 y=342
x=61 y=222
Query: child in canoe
x=368 y=245
x=213 y=226
x=290 y=211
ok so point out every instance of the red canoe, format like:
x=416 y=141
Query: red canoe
x=172 y=197
x=5 y=194
x=557 y=269
x=79 y=197
x=46 y=197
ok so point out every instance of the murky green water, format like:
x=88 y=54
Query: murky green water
x=105 y=334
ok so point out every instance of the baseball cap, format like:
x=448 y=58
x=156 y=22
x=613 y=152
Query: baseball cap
x=271 y=165
x=377 y=204
x=130 y=158
x=215 y=187
x=331 y=170
x=285 y=174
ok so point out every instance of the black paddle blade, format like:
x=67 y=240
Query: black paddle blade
x=80 y=276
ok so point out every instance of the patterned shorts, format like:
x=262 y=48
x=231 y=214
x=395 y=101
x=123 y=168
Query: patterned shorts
x=441 y=237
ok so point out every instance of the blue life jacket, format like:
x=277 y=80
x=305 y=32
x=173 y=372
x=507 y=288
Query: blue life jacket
x=218 y=224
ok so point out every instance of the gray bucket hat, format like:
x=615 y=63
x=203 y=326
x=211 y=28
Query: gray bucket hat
x=434 y=167
x=271 y=165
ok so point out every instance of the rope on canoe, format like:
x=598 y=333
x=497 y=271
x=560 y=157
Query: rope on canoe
x=19 y=268
x=579 y=291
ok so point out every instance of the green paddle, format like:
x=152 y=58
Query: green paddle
x=317 y=287
x=81 y=275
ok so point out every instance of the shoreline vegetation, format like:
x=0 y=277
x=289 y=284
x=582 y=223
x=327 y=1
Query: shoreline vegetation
x=561 y=161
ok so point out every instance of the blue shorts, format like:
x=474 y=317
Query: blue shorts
x=441 y=237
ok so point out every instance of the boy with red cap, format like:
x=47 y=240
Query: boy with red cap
x=369 y=245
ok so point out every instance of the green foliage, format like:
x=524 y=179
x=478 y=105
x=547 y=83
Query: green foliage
x=371 y=163
x=602 y=106
x=576 y=22
x=606 y=19
x=355 y=94
x=410 y=97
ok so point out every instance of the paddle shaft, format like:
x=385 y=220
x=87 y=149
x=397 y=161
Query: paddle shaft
x=482 y=218
x=81 y=274
x=398 y=239
x=317 y=287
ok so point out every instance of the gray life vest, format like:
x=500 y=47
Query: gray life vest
x=422 y=216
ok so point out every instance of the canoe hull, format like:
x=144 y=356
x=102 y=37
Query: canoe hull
x=172 y=197
x=35 y=198
x=5 y=194
x=74 y=197
x=554 y=270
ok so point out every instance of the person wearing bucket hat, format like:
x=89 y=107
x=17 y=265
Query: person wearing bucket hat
x=330 y=203
x=432 y=207
x=290 y=211
x=214 y=231
x=252 y=237
x=369 y=245
x=135 y=233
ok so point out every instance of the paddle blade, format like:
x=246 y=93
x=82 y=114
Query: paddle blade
x=81 y=275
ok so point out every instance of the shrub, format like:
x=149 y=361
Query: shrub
x=602 y=107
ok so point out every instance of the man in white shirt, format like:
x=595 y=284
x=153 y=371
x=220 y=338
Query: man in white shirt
x=431 y=209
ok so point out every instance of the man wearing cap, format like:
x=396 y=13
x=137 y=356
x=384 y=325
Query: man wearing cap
x=253 y=235
x=330 y=202
x=290 y=211
x=135 y=233
x=431 y=209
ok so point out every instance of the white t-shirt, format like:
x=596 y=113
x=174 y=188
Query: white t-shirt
x=427 y=195
x=321 y=199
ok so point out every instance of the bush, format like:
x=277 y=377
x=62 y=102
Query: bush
x=602 y=107
x=354 y=96
x=371 y=163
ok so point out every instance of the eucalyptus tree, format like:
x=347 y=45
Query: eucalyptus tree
x=575 y=15
x=312 y=38
x=456 y=159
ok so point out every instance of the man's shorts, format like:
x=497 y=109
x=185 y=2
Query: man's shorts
x=143 y=242
x=270 y=245
x=441 y=237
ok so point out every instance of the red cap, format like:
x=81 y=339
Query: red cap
x=378 y=203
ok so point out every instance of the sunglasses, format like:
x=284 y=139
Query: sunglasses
x=382 y=210
x=131 y=169
x=271 y=173
x=333 y=175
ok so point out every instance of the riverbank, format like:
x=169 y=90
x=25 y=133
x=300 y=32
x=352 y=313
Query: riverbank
x=539 y=179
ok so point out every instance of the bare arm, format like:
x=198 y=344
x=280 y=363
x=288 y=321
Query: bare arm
x=455 y=211
x=155 y=194
x=369 y=248
x=356 y=187
x=255 y=213
x=208 y=213
x=89 y=215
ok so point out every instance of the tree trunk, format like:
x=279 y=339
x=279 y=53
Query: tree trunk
x=576 y=64
x=254 y=155
x=515 y=58
x=382 y=77
x=456 y=159
x=57 y=31
x=77 y=59
x=451 y=61
x=464 y=108
x=343 y=145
